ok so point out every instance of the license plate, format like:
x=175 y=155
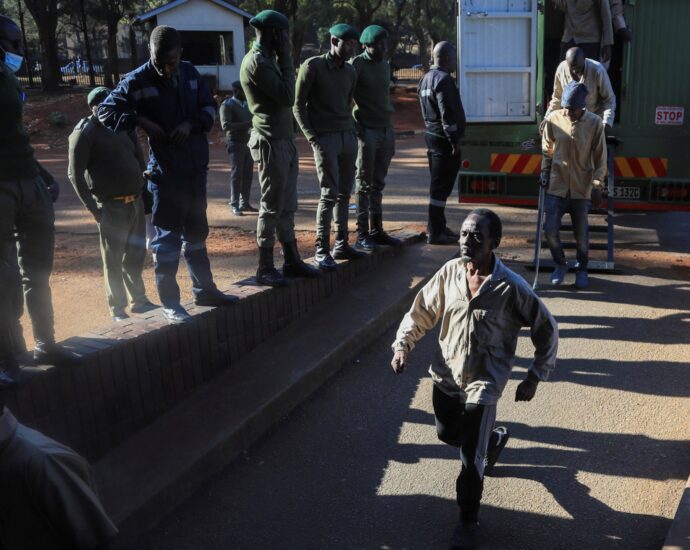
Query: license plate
x=626 y=193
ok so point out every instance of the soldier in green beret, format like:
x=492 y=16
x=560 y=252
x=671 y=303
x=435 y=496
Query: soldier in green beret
x=106 y=170
x=376 y=139
x=267 y=76
x=325 y=89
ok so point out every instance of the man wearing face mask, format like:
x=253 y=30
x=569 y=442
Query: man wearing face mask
x=27 y=192
x=323 y=109
x=170 y=101
x=573 y=170
x=481 y=305
x=375 y=136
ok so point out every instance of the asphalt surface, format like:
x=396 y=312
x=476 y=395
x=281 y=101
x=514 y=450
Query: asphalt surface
x=597 y=460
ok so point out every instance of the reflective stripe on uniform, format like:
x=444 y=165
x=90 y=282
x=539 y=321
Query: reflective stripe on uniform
x=436 y=202
x=144 y=93
x=191 y=247
x=426 y=93
x=193 y=84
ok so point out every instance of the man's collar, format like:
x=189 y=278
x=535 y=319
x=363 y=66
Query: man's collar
x=263 y=50
x=499 y=271
x=8 y=427
x=437 y=68
x=331 y=62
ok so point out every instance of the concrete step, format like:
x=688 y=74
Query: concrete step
x=149 y=474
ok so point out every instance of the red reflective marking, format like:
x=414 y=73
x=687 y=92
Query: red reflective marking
x=659 y=167
x=636 y=168
x=521 y=163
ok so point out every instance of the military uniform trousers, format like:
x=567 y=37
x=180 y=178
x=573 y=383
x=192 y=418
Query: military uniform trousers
x=444 y=168
x=241 y=173
x=27 y=236
x=278 y=167
x=376 y=147
x=335 y=155
x=122 y=231
x=179 y=218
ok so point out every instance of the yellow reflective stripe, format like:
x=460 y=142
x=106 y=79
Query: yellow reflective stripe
x=647 y=167
x=624 y=167
x=510 y=163
x=532 y=165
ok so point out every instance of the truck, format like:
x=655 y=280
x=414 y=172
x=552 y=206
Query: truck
x=508 y=51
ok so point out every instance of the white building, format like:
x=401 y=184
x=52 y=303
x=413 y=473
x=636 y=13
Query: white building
x=212 y=32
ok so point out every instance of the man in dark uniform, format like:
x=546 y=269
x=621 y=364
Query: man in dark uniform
x=444 y=118
x=323 y=109
x=171 y=102
x=268 y=80
x=106 y=170
x=236 y=121
x=27 y=221
x=373 y=114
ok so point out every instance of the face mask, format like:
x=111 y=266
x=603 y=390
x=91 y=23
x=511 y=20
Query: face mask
x=13 y=61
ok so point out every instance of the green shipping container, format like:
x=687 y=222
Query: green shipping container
x=508 y=51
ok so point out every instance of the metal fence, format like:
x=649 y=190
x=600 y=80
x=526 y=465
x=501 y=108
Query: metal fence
x=410 y=74
x=73 y=73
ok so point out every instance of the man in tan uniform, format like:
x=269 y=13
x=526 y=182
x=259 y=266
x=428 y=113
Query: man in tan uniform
x=588 y=24
x=573 y=167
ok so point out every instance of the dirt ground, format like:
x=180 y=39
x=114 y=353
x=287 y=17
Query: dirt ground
x=77 y=280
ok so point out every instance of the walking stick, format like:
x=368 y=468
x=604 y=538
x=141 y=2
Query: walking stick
x=537 y=244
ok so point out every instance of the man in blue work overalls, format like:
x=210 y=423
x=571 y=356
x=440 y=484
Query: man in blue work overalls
x=168 y=99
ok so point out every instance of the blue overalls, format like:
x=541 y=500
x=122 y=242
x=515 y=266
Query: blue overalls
x=176 y=174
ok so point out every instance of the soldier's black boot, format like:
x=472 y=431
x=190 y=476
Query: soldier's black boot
x=267 y=274
x=365 y=242
x=378 y=235
x=323 y=258
x=294 y=266
x=342 y=250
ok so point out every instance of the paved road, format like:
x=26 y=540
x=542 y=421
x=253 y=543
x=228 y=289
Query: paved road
x=598 y=460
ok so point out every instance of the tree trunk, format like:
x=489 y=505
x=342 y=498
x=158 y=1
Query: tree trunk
x=112 y=75
x=87 y=43
x=134 y=61
x=394 y=35
x=45 y=14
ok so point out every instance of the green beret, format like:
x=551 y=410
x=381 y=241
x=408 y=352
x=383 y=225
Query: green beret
x=270 y=19
x=97 y=95
x=373 y=33
x=344 y=31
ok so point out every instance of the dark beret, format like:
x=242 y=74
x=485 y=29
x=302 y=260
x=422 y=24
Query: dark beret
x=270 y=19
x=344 y=31
x=372 y=34
x=97 y=95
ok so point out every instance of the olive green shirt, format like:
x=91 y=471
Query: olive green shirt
x=269 y=85
x=373 y=107
x=16 y=155
x=104 y=164
x=235 y=119
x=324 y=96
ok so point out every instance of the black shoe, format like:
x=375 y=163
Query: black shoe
x=270 y=276
x=9 y=373
x=176 y=315
x=383 y=238
x=441 y=238
x=344 y=251
x=366 y=243
x=248 y=208
x=214 y=298
x=451 y=233
x=464 y=537
x=499 y=439
x=53 y=354
x=143 y=307
x=325 y=262
x=236 y=211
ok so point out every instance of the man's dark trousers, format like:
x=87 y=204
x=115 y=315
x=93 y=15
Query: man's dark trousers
x=444 y=168
x=241 y=173
x=27 y=219
x=468 y=426
x=179 y=217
